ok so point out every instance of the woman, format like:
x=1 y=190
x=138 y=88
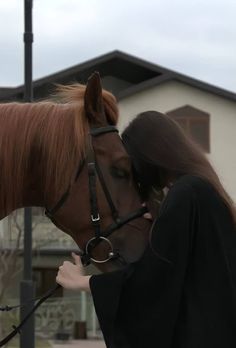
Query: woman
x=182 y=292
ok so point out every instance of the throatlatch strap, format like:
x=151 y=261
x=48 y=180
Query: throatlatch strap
x=50 y=213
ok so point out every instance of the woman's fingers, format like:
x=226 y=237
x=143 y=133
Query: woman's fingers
x=77 y=259
x=147 y=215
x=68 y=276
x=70 y=271
x=71 y=275
x=60 y=280
x=73 y=281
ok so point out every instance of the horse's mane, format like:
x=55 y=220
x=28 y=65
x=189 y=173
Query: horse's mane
x=51 y=133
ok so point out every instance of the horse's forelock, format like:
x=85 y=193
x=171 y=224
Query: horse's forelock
x=75 y=93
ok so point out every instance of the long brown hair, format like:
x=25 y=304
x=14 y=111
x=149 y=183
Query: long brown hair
x=50 y=132
x=160 y=144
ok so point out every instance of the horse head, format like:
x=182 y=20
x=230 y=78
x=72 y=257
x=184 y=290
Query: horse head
x=102 y=210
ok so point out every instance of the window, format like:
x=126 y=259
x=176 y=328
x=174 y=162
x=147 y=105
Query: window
x=195 y=123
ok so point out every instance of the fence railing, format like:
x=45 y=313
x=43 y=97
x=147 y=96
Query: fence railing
x=61 y=314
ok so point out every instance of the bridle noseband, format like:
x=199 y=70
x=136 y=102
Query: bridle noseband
x=95 y=172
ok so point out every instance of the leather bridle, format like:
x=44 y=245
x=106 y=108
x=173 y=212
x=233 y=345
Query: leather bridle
x=94 y=172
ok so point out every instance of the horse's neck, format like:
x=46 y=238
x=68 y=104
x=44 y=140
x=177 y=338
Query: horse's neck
x=30 y=195
x=28 y=187
x=35 y=140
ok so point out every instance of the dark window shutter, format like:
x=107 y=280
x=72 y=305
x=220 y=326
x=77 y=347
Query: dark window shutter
x=195 y=123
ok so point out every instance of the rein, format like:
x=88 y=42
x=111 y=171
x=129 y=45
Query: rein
x=94 y=172
x=17 y=329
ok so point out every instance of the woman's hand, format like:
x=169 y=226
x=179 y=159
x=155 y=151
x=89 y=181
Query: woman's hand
x=147 y=215
x=71 y=275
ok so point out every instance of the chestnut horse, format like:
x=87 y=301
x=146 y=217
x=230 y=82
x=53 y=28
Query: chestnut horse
x=46 y=151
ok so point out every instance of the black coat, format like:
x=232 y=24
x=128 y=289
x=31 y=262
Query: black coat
x=182 y=292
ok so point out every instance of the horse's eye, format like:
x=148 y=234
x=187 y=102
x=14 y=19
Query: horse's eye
x=119 y=173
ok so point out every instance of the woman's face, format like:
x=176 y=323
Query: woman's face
x=145 y=173
x=148 y=176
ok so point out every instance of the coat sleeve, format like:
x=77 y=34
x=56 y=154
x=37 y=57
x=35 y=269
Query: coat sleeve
x=143 y=300
x=106 y=289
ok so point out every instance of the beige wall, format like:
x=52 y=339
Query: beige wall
x=171 y=95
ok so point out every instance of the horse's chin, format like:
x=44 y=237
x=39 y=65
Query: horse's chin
x=117 y=263
x=110 y=266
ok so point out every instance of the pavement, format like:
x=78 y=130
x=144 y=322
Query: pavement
x=80 y=344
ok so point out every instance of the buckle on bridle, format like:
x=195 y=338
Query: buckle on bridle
x=96 y=218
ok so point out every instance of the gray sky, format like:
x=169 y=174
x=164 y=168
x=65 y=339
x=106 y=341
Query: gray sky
x=194 y=37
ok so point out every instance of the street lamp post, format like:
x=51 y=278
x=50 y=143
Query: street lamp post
x=27 y=338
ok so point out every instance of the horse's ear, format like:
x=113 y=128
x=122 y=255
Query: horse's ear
x=93 y=101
